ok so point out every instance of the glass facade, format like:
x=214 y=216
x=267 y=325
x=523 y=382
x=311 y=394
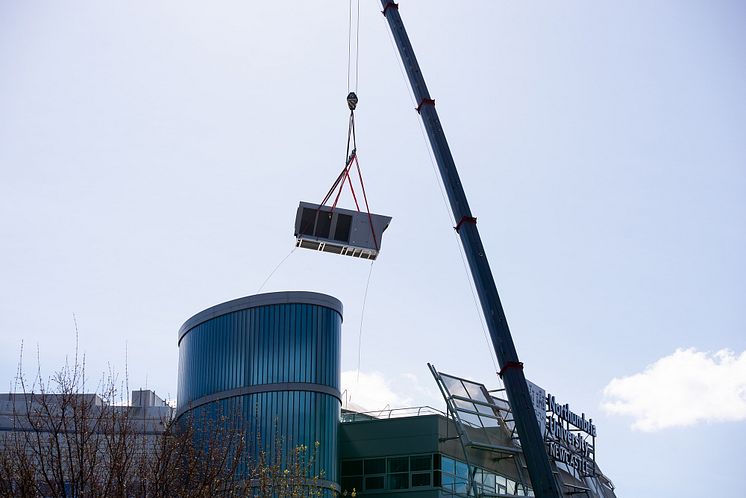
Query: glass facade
x=373 y=475
x=272 y=368
x=455 y=481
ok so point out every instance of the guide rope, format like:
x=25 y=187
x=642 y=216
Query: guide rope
x=362 y=315
x=276 y=268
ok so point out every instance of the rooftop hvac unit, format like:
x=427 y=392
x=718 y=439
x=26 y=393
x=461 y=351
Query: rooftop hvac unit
x=339 y=231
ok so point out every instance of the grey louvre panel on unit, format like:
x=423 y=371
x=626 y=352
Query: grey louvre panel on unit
x=340 y=231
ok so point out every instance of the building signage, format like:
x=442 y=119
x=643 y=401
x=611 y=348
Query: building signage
x=563 y=412
x=570 y=438
x=567 y=437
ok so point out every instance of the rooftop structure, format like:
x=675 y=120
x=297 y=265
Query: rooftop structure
x=472 y=450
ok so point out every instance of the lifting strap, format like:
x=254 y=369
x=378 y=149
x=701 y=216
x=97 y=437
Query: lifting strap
x=344 y=175
x=351 y=157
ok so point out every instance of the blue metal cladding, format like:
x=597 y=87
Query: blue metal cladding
x=273 y=368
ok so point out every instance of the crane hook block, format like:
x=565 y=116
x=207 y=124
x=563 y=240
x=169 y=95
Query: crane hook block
x=339 y=231
x=352 y=101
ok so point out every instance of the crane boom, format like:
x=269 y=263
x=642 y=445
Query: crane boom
x=532 y=443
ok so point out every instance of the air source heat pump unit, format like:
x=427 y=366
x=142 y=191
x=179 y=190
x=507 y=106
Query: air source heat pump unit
x=341 y=231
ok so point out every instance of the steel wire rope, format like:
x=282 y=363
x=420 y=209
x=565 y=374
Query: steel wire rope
x=349 y=45
x=447 y=209
x=350 y=87
x=357 y=46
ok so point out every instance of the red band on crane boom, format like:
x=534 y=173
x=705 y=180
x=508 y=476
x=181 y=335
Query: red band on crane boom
x=390 y=5
x=424 y=103
x=465 y=219
x=510 y=364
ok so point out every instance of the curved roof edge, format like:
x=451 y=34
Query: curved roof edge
x=270 y=298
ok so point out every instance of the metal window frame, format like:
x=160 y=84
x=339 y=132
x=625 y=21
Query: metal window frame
x=463 y=436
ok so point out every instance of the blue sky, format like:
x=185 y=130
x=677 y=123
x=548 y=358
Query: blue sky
x=152 y=156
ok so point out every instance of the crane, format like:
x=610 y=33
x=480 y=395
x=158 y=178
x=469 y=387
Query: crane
x=511 y=369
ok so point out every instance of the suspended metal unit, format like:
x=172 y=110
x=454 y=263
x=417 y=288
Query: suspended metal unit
x=339 y=231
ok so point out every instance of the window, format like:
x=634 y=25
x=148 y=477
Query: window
x=454 y=479
x=401 y=472
x=488 y=481
x=398 y=473
x=421 y=467
x=449 y=465
x=420 y=462
x=353 y=482
x=374 y=482
x=450 y=480
x=352 y=468
x=399 y=481
x=420 y=479
x=375 y=466
x=398 y=464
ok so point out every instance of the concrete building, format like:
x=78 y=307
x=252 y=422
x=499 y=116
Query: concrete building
x=147 y=412
x=74 y=444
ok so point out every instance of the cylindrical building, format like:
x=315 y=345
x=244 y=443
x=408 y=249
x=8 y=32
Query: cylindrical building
x=271 y=362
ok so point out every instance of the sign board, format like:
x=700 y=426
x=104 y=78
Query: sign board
x=570 y=438
x=539 y=402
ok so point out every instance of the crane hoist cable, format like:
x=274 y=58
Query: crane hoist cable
x=350 y=87
x=352 y=100
x=351 y=156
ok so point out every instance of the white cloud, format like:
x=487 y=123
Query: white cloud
x=373 y=391
x=682 y=389
x=370 y=391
